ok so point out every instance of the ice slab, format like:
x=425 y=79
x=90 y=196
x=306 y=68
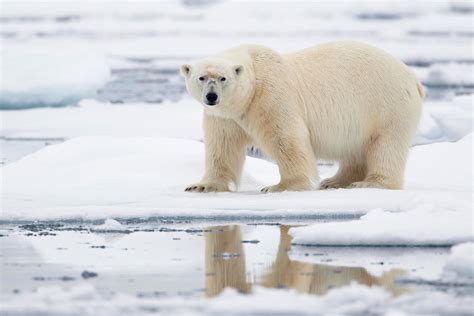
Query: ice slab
x=423 y=226
x=101 y=177
x=91 y=118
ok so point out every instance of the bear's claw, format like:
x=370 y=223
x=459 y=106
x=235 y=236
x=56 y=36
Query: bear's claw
x=366 y=184
x=330 y=183
x=201 y=188
x=273 y=188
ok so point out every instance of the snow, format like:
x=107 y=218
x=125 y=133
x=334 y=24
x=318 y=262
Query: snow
x=49 y=76
x=460 y=265
x=354 y=299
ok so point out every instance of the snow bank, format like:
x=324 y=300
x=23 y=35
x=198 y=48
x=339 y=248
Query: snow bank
x=354 y=299
x=460 y=266
x=38 y=76
x=101 y=177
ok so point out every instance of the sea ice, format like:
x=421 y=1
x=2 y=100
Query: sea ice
x=39 y=76
x=354 y=299
x=102 y=177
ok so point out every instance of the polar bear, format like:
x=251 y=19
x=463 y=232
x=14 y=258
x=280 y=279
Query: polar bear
x=343 y=101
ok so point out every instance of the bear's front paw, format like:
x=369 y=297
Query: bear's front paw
x=284 y=187
x=330 y=183
x=366 y=184
x=206 y=187
x=273 y=188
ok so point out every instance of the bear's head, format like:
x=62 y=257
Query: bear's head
x=223 y=87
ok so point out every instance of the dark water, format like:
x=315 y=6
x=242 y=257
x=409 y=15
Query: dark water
x=144 y=80
x=153 y=80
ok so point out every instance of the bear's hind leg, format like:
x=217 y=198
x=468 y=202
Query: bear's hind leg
x=297 y=166
x=349 y=172
x=386 y=157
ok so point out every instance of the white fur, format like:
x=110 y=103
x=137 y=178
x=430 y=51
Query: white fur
x=342 y=101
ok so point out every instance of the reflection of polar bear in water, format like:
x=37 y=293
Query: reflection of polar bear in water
x=225 y=267
x=342 y=101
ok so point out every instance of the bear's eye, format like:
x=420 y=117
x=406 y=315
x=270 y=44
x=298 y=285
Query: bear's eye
x=223 y=79
x=201 y=78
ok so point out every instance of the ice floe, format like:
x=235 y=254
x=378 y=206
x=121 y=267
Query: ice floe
x=422 y=226
x=460 y=265
x=101 y=177
x=38 y=76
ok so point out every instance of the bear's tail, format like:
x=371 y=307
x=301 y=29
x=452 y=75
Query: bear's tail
x=421 y=91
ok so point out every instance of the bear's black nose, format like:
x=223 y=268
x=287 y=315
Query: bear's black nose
x=211 y=97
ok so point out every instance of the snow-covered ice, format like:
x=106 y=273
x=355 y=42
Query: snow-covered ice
x=93 y=118
x=460 y=265
x=354 y=299
x=49 y=76
x=422 y=226
x=81 y=178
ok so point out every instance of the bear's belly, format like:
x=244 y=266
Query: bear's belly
x=338 y=134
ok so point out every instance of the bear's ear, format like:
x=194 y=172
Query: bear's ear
x=238 y=69
x=185 y=70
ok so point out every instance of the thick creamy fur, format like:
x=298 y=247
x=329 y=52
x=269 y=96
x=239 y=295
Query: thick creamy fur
x=342 y=101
